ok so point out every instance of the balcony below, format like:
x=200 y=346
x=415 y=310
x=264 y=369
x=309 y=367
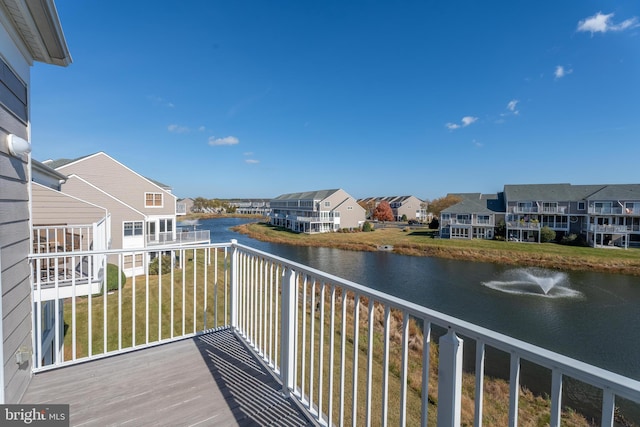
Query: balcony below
x=181 y=237
x=211 y=379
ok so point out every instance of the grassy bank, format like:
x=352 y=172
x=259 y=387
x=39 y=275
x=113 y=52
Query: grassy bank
x=420 y=242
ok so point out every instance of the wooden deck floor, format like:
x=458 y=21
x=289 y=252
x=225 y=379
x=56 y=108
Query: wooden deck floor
x=210 y=380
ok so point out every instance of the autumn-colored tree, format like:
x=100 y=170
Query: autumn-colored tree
x=438 y=205
x=368 y=205
x=383 y=212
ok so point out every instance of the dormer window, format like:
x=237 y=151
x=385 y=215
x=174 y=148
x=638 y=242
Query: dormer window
x=153 y=200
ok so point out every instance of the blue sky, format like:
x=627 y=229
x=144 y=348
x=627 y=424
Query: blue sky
x=255 y=98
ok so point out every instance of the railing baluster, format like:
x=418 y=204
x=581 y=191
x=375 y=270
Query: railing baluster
x=120 y=263
x=303 y=343
x=172 y=293
x=145 y=267
x=556 y=398
x=385 y=366
x=160 y=254
x=312 y=348
x=370 y=361
x=321 y=353
x=183 y=257
x=514 y=389
x=403 y=369
x=479 y=398
x=195 y=291
x=343 y=360
x=90 y=308
x=426 y=348
x=287 y=352
x=356 y=339
x=332 y=332
x=608 y=408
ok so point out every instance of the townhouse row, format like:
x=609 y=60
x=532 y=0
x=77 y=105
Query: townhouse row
x=606 y=215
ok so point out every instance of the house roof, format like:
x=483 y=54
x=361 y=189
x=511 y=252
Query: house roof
x=38 y=26
x=58 y=163
x=307 y=195
x=477 y=203
x=47 y=169
x=390 y=199
x=568 y=192
x=617 y=192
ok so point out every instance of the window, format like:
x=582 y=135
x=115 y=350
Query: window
x=580 y=206
x=132 y=228
x=327 y=204
x=349 y=208
x=166 y=225
x=153 y=200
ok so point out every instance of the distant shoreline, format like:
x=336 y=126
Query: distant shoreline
x=405 y=242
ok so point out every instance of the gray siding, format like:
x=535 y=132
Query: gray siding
x=14 y=274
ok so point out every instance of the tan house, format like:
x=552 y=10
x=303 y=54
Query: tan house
x=317 y=211
x=142 y=211
x=28 y=33
x=409 y=207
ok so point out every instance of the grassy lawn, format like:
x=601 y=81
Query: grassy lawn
x=419 y=242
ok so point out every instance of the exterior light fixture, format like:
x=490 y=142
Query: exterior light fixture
x=17 y=146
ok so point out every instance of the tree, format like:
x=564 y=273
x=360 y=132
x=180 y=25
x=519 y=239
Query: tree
x=547 y=234
x=438 y=205
x=404 y=217
x=383 y=212
x=368 y=205
x=366 y=227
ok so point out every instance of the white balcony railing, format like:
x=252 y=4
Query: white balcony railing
x=608 y=210
x=181 y=208
x=303 y=323
x=537 y=209
x=609 y=228
x=521 y=225
x=181 y=237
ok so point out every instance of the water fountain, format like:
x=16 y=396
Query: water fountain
x=535 y=282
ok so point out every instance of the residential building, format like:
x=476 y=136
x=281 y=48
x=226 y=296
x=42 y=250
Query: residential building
x=251 y=206
x=142 y=211
x=409 y=207
x=317 y=211
x=28 y=33
x=613 y=215
x=476 y=216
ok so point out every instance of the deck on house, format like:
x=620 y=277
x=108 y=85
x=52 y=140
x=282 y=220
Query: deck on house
x=212 y=379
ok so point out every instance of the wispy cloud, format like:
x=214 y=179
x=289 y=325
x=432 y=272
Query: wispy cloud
x=248 y=153
x=161 y=102
x=201 y=129
x=477 y=144
x=560 y=71
x=513 y=106
x=602 y=23
x=227 y=140
x=252 y=161
x=177 y=129
x=466 y=121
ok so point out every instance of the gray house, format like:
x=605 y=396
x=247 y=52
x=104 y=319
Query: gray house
x=316 y=211
x=28 y=33
x=474 y=217
x=402 y=206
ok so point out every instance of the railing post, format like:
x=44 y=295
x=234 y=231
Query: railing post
x=450 y=380
x=287 y=320
x=234 y=284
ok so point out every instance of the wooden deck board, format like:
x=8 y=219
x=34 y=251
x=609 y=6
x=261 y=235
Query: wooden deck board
x=205 y=381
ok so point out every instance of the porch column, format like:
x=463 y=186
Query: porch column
x=450 y=380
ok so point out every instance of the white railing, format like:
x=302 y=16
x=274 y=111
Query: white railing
x=609 y=228
x=181 y=208
x=537 y=209
x=181 y=237
x=304 y=323
x=523 y=225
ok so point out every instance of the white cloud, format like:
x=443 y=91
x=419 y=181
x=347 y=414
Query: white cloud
x=560 y=71
x=467 y=120
x=602 y=23
x=252 y=161
x=177 y=129
x=201 y=129
x=511 y=106
x=477 y=144
x=248 y=153
x=227 y=140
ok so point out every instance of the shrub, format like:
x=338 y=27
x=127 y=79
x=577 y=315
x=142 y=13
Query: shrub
x=573 y=240
x=154 y=265
x=404 y=218
x=434 y=224
x=547 y=234
x=367 y=226
x=112 y=277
